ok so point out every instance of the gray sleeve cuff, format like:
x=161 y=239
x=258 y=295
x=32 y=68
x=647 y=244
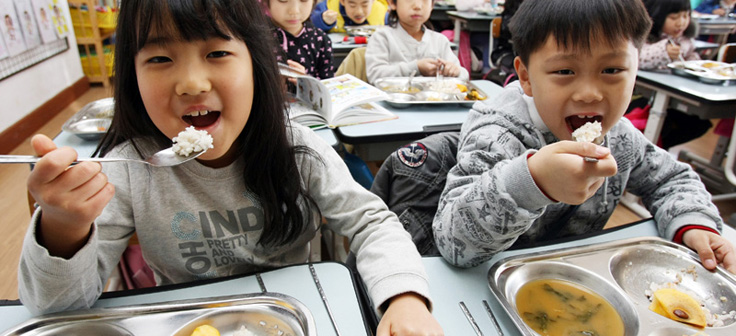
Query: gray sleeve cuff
x=521 y=186
x=692 y=218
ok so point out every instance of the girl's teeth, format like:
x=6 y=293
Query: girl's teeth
x=584 y=116
x=198 y=113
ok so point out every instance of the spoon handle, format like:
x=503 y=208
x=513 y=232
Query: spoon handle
x=33 y=159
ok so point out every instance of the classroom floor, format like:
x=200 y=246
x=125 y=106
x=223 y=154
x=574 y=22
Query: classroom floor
x=17 y=213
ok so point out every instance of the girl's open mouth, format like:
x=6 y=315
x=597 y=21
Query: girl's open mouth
x=201 y=118
x=574 y=122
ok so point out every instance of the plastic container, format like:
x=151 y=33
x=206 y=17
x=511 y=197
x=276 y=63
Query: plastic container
x=93 y=69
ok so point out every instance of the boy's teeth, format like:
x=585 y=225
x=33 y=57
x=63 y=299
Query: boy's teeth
x=198 y=113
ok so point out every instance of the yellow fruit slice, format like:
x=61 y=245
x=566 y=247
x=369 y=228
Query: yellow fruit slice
x=678 y=306
x=206 y=330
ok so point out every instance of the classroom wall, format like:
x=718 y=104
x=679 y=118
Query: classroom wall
x=25 y=91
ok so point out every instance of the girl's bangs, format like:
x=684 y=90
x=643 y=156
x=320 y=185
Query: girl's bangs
x=179 y=21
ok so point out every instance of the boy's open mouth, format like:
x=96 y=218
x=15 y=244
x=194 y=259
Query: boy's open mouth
x=574 y=122
x=201 y=118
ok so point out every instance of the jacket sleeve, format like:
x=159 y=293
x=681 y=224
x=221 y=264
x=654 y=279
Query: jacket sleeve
x=378 y=57
x=49 y=284
x=317 y=19
x=670 y=190
x=490 y=198
x=654 y=55
x=387 y=260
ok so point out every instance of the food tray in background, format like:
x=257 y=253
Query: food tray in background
x=428 y=90
x=364 y=30
x=92 y=121
x=623 y=272
x=262 y=314
x=709 y=72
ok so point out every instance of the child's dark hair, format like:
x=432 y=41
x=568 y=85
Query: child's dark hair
x=575 y=23
x=659 y=10
x=270 y=161
x=393 y=16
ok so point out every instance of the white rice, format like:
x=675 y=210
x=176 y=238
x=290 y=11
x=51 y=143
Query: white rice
x=588 y=132
x=191 y=141
x=243 y=331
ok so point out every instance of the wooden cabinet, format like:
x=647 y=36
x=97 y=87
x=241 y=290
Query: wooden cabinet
x=90 y=32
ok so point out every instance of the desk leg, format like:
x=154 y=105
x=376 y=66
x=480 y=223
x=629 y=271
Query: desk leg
x=458 y=26
x=654 y=128
x=656 y=116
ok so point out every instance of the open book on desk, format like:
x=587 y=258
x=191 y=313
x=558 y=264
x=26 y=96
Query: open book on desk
x=334 y=102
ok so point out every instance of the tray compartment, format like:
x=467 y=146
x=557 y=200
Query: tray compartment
x=635 y=268
x=518 y=275
x=260 y=320
x=92 y=121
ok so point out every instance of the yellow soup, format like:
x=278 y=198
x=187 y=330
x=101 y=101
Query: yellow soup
x=562 y=308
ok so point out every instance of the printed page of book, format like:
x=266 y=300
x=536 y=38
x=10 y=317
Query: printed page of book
x=347 y=90
x=361 y=114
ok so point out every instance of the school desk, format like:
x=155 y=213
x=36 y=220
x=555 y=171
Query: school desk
x=375 y=141
x=689 y=95
x=720 y=27
x=340 y=48
x=449 y=286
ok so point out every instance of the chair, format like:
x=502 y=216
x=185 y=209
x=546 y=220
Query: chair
x=727 y=53
x=411 y=180
x=354 y=64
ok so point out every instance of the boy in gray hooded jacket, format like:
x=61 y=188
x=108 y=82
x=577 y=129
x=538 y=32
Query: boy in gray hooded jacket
x=519 y=177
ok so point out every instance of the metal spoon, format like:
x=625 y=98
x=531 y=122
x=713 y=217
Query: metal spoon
x=408 y=82
x=163 y=158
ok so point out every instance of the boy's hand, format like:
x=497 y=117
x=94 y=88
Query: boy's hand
x=719 y=12
x=712 y=249
x=70 y=197
x=560 y=171
x=407 y=314
x=673 y=51
x=329 y=16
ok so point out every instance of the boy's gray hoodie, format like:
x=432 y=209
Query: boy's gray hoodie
x=490 y=200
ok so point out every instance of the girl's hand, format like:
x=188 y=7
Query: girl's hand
x=297 y=67
x=428 y=66
x=407 y=314
x=712 y=249
x=451 y=69
x=673 y=51
x=560 y=171
x=329 y=16
x=71 y=197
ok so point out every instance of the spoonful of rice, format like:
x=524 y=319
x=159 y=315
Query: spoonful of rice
x=590 y=132
x=188 y=145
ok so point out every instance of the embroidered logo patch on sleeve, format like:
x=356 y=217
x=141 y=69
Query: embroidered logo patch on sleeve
x=413 y=155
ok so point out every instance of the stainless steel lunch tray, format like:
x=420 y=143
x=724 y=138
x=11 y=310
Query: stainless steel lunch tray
x=92 y=121
x=622 y=272
x=695 y=69
x=364 y=30
x=263 y=314
x=421 y=91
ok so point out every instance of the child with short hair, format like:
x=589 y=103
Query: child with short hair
x=717 y=7
x=519 y=177
x=334 y=15
x=407 y=45
x=671 y=35
x=301 y=45
x=263 y=185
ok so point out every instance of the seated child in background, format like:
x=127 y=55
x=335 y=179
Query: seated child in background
x=520 y=179
x=407 y=45
x=257 y=196
x=717 y=7
x=670 y=37
x=334 y=15
x=300 y=44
